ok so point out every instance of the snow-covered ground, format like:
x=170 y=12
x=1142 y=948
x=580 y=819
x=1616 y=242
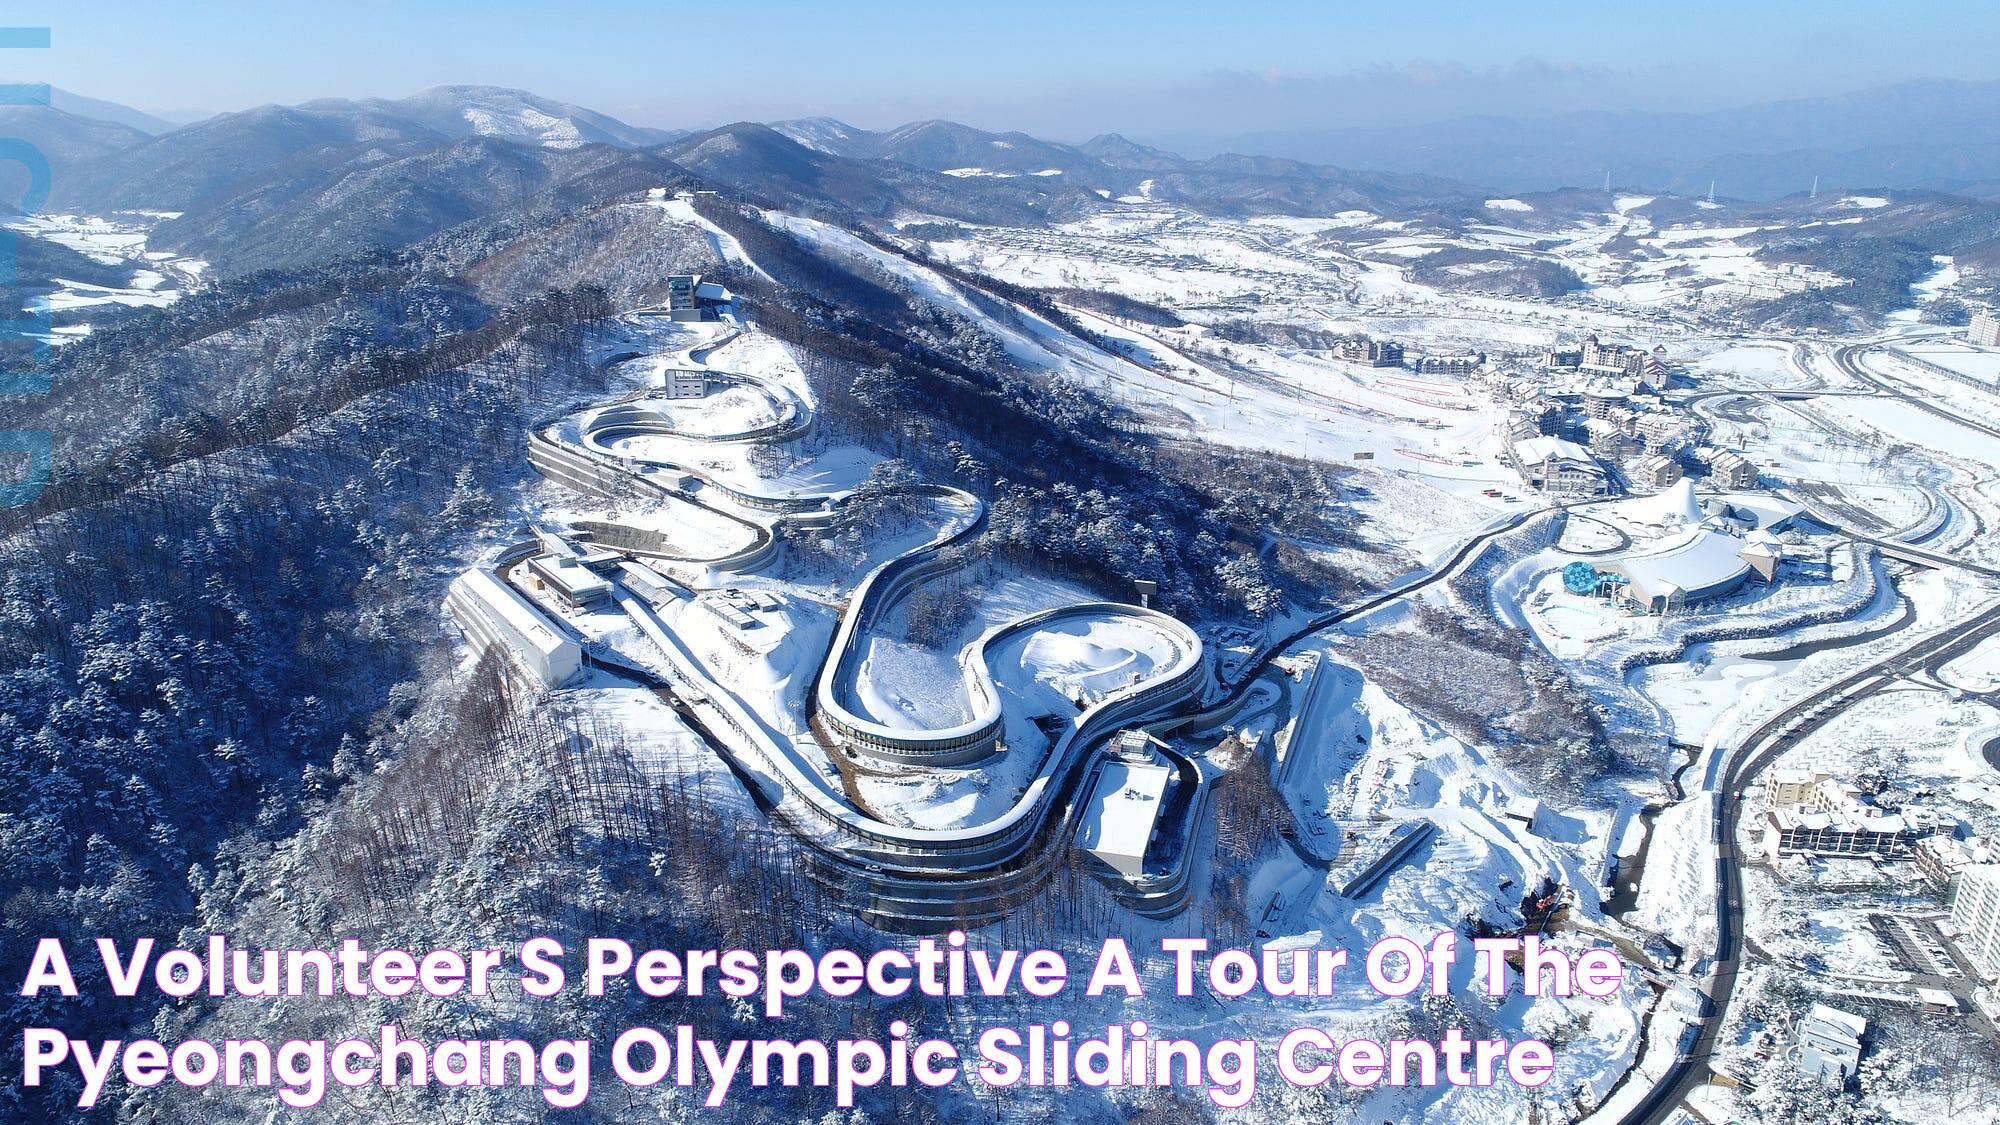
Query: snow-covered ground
x=158 y=277
x=1257 y=296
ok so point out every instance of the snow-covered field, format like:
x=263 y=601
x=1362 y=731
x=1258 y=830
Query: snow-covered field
x=158 y=277
x=1249 y=367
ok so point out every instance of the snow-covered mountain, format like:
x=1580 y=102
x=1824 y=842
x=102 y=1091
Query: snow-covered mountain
x=822 y=134
x=514 y=115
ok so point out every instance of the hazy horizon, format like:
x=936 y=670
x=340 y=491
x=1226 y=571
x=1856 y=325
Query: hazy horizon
x=1041 y=68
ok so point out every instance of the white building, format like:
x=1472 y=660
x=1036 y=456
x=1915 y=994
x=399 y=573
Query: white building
x=1749 y=511
x=1685 y=566
x=1975 y=917
x=1985 y=330
x=683 y=382
x=1124 y=807
x=1653 y=472
x=1830 y=1043
x=491 y=612
x=1558 y=466
x=574 y=584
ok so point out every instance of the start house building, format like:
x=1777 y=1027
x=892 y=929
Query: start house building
x=691 y=298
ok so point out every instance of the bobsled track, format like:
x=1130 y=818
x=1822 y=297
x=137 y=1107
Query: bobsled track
x=893 y=875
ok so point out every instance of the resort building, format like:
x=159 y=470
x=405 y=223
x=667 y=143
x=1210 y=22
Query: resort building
x=1667 y=430
x=1730 y=469
x=1521 y=423
x=1610 y=437
x=1653 y=472
x=1451 y=364
x=1623 y=361
x=1785 y=788
x=1942 y=858
x=1562 y=359
x=1975 y=917
x=1374 y=353
x=1558 y=467
x=1985 y=329
x=1604 y=402
x=1831 y=818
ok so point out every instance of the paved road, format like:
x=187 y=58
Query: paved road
x=1773 y=737
x=1849 y=360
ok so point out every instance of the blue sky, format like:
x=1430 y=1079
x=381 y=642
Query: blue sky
x=1060 y=69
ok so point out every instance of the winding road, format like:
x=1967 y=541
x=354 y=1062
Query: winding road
x=1733 y=771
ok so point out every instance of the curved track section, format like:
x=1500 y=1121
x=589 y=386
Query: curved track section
x=894 y=875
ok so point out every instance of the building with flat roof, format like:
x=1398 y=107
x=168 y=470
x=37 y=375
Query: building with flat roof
x=1123 y=812
x=1829 y=1043
x=691 y=298
x=683 y=382
x=1784 y=788
x=573 y=584
x=490 y=612
x=1975 y=917
x=1985 y=328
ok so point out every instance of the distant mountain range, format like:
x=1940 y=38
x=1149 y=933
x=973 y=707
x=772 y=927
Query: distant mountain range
x=287 y=185
x=284 y=185
x=102 y=110
x=1942 y=135
x=1938 y=135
